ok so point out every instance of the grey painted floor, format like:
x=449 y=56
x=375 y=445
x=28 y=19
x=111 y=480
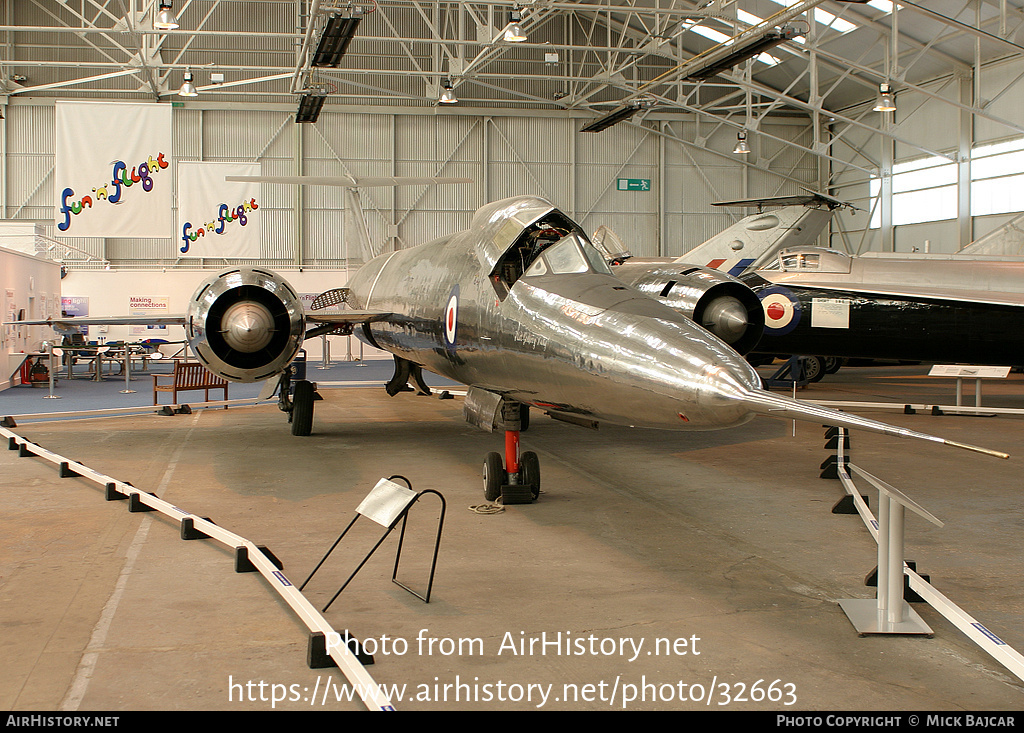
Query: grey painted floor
x=703 y=566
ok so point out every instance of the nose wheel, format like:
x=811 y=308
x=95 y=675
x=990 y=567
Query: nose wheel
x=516 y=479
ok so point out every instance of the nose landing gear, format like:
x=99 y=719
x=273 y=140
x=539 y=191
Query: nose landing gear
x=516 y=480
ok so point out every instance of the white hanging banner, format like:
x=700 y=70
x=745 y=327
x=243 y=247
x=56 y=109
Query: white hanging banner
x=112 y=173
x=218 y=218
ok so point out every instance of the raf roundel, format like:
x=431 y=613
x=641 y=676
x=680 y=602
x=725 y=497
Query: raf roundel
x=781 y=310
x=451 y=317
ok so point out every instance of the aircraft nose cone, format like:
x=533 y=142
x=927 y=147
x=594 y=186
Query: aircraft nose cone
x=247 y=327
x=675 y=372
x=726 y=317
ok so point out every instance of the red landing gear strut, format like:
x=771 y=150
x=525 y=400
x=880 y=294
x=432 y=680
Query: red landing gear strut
x=517 y=480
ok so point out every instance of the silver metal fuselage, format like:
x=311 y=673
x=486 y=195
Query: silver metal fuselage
x=581 y=343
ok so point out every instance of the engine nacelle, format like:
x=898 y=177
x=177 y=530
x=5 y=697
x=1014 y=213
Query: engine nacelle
x=719 y=302
x=245 y=324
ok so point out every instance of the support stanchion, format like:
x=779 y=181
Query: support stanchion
x=58 y=352
x=325 y=352
x=889 y=613
x=127 y=369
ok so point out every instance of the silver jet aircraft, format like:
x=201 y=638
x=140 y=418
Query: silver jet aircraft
x=523 y=310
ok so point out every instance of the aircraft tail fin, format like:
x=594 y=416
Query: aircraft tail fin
x=773 y=405
x=755 y=239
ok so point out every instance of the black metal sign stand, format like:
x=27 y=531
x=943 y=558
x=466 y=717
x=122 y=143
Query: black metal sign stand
x=387 y=504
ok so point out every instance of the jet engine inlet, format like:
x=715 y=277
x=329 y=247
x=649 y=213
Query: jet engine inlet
x=715 y=300
x=732 y=316
x=245 y=324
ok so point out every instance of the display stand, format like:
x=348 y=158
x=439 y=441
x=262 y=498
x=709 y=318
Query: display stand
x=387 y=504
x=789 y=375
x=962 y=372
x=888 y=613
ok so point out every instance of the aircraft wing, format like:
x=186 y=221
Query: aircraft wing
x=348 y=317
x=70 y=325
x=984 y=297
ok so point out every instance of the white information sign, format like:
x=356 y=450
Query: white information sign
x=830 y=313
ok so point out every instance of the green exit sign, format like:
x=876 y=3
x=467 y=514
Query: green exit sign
x=634 y=184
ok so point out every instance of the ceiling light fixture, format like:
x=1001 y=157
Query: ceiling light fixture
x=165 y=20
x=447 y=94
x=620 y=114
x=514 y=31
x=188 y=89
x=741 y=144
x=737 y=55
x=310 y=105
x=614 y=117
x=334 y=40
x=886 y=102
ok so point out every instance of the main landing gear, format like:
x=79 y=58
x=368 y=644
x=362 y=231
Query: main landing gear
x=297 y=398
x=517 y=479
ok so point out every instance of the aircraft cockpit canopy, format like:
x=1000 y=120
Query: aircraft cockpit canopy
x=553 y=245
x=810 y=259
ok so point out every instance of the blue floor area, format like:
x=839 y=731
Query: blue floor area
x=84 y=393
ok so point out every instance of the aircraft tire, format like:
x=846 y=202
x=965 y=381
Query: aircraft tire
x=529 y=472
x=302 y=408
x=833 y=364
x=814 y=368
x=494 y=476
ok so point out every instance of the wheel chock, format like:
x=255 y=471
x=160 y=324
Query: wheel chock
x=8 y=422
x=516 y=494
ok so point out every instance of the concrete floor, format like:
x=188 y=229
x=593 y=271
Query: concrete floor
x=723 y=543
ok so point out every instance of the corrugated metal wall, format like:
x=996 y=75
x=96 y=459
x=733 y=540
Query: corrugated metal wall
x=505 y=155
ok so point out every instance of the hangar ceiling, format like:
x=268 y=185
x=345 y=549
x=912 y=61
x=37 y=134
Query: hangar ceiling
x=584 y=58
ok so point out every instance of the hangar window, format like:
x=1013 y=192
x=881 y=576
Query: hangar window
x=926 y=189
x=997 y=178
x=922 y=190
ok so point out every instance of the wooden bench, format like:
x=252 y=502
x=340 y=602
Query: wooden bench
x=189 y=375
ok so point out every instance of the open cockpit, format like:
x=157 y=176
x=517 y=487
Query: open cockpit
x=553 y=245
